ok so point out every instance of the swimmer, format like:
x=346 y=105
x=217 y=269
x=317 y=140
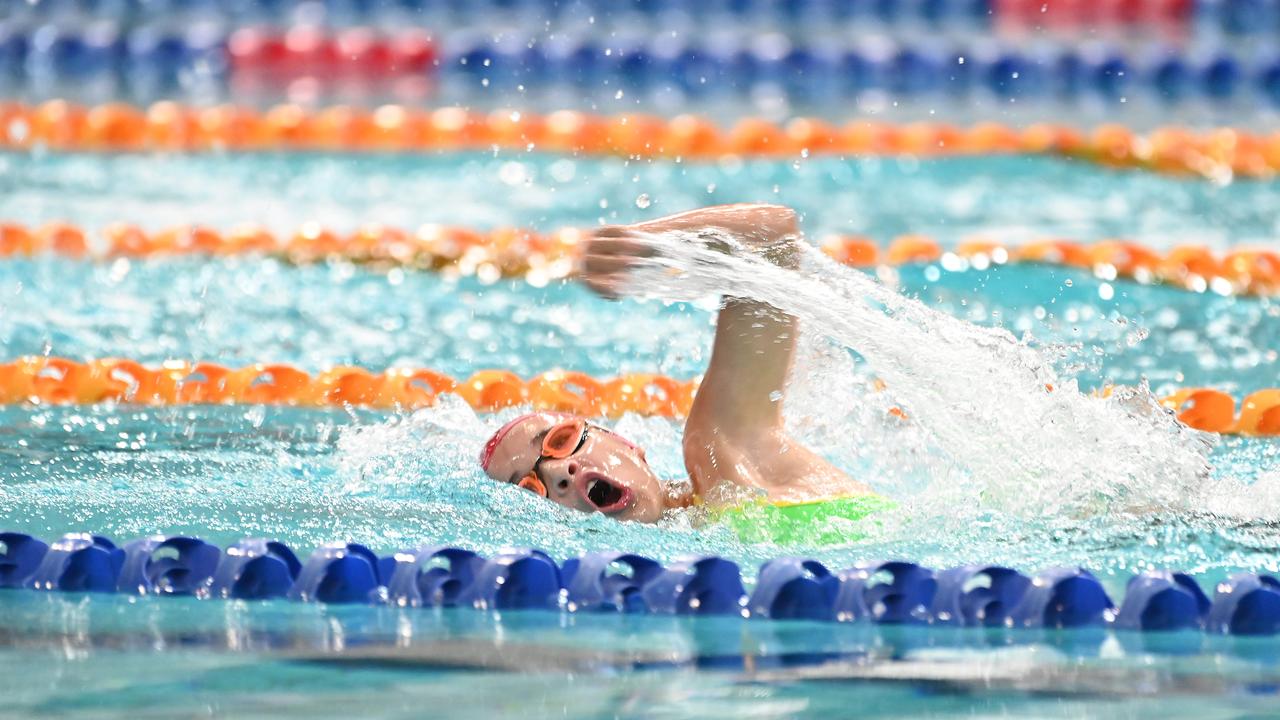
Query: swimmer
x=734 y=433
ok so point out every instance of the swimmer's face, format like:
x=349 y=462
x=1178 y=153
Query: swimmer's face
x=603 y=473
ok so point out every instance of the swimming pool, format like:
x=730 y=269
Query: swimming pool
x=310 y=476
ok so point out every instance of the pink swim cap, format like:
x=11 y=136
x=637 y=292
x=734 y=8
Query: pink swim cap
x=486 y=454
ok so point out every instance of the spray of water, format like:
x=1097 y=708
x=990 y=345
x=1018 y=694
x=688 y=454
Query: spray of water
x=1027 y=441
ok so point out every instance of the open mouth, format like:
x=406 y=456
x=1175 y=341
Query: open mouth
x=606 y=495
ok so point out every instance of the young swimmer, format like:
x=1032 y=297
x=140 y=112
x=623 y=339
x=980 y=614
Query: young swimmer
x=734 y=433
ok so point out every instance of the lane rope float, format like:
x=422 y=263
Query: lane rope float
x=1218 y=153
x=541 y=257
x=873 y=592
x=489 y=255
x=61 y=381
x=56 y=380
x=1243 y=270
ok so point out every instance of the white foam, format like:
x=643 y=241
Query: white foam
x=994 y=431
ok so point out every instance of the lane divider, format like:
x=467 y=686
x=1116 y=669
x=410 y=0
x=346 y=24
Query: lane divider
x=58 y=124
x=57 y=380
x=876 y=592
x=520 y=252
x=1246 y=270
x=61 y=381
x=490 y=254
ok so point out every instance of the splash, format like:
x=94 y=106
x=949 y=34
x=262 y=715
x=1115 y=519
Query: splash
x=993 y=408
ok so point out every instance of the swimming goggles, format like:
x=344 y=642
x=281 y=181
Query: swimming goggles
x=562 y=440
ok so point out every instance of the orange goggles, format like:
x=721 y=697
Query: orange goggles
x=561 y=441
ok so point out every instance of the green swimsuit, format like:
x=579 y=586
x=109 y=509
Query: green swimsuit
x=819 y=522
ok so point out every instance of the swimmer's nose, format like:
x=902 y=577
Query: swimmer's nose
x=561 y=484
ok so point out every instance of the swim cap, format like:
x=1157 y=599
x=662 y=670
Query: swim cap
x=486 y=455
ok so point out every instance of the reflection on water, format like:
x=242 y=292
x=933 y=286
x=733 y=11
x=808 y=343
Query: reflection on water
x=114 y=657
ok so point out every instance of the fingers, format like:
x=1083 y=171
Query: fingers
x=607 y=275
x=611 y=231
x=618 y=244
x=609 y=286
x=608 y=258
x=605 y=264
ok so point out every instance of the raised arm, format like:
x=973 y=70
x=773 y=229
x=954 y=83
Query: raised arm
x=734 y=433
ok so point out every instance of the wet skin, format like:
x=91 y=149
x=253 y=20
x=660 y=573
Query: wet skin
x=604 y=474
x=734 y=434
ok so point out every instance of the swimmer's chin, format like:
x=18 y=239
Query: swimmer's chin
x=672 y=503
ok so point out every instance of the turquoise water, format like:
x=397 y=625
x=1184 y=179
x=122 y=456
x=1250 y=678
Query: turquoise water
x=176 y=658
x=1011 y=198
x=310 y=476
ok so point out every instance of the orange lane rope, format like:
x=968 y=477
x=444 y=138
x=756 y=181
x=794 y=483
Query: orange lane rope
x=1217 y=153
x=519 y=252
x=62 y=381
x=54 y=380
x=1253 y=271
x=491 y=254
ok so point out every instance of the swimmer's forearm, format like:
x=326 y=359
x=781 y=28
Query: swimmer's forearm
x=754 y=342
x=735 y=430
x=762 y=226
x=750 y=359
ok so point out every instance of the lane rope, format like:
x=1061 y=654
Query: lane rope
x=542 y=257
x=55 y=380
x=1220 y=153
x=1243 y=270
x=61 y=381
x=437 y=575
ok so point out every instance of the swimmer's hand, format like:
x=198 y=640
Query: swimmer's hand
x=611 y=252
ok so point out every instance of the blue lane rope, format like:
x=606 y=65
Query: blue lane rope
x=154 y=57
x=937 y=13
x=1234 y=18
x=900 y=69
x=883 y=593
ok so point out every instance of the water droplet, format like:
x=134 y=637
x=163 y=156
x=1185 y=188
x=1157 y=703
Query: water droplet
x=1068 y=282
x=18 y=130
x=643 y=201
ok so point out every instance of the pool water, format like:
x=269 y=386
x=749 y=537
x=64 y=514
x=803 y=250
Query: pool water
x=115 y=657
x=310 y=476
